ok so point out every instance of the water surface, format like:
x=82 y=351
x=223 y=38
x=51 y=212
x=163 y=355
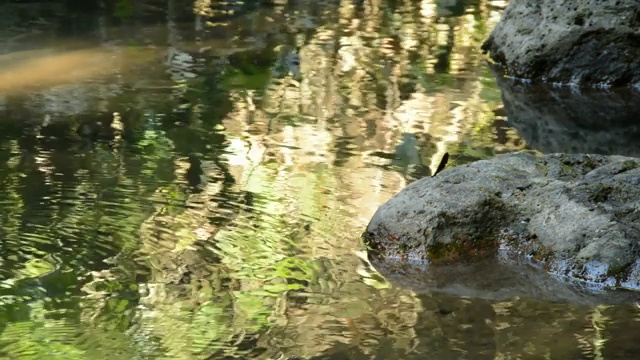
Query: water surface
x=180 y=186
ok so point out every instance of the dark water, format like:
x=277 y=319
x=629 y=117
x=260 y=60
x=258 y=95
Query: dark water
x=194 y=187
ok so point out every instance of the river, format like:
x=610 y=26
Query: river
x=180 y=186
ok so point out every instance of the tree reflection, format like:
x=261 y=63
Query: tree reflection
x=197 y=193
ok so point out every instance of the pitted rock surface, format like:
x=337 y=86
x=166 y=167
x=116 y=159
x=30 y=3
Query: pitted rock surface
x=574 y=215
x=590 y=42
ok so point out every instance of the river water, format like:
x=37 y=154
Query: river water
x=194 y=187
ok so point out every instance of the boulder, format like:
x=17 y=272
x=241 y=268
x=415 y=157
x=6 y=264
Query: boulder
x=591 y=42
x=577 y=216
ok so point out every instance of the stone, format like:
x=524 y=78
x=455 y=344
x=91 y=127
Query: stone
x=577 y=216
x=591 y=42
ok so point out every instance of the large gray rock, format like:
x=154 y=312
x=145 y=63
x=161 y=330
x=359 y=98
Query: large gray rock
x=574 y=215
x=593 y=42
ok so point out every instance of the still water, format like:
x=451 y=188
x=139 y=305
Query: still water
x=194 y=187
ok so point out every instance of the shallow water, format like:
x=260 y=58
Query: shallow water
x=177 y=189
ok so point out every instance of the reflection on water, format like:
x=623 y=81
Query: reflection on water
x=197 y=192
x=563 y=119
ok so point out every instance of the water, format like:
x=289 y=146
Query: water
x=180 y=187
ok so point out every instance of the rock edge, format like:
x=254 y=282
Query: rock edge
x=574 y=215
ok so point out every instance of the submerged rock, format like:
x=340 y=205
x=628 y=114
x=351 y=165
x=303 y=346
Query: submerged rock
x=574 y=215
x=592 y=42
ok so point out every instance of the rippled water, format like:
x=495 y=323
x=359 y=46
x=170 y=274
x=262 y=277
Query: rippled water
x=187 y=190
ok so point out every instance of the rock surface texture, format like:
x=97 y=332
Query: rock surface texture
x=591 y=42
x=574 y=215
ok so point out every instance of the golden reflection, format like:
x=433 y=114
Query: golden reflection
x=305 y=148
x=202 y=7
x=599 y=321
x=266 y=250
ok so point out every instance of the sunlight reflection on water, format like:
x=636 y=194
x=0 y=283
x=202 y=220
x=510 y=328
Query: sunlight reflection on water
x=220 y=217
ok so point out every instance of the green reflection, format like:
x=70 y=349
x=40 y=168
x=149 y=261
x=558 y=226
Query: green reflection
x=199 y=190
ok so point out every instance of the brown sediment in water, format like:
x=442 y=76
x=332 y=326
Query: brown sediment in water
x=38 y=69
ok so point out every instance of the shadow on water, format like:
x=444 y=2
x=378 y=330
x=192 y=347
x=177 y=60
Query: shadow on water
x=563 y=119
x=496 y=279
x=182 y=181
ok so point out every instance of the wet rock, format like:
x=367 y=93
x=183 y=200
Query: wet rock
x=593 y=42
x=555 y=120
x=573 y=215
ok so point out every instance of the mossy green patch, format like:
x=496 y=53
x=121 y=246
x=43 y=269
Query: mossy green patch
x=530 y=247
x=629 y=165
x=467 y=242
x=602 y=193
x=462 y=247
x=567 y=170
x=370 y=241
x=589 y=164
x=542 y=169
x=620 y=272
